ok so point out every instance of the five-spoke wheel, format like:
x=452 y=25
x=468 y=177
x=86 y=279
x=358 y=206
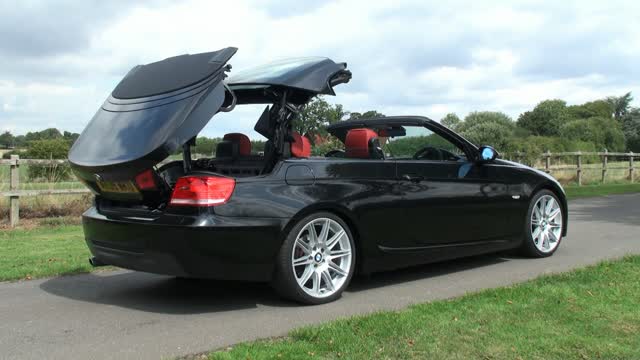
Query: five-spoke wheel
x=317 y=259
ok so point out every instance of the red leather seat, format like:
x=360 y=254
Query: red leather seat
x=363 y=143
x=300 y=146
x=244 y=144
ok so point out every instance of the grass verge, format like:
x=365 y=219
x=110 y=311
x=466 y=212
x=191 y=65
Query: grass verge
x=586 y=314
x=43 y=251
x=575 y=192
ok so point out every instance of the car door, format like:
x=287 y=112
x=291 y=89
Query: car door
x=447 y=199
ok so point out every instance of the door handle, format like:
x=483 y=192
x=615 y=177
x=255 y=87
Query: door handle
x=412 y=178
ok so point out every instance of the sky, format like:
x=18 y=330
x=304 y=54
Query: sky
x=59 y=60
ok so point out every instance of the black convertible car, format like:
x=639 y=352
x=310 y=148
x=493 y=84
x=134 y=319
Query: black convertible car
x=394 y=192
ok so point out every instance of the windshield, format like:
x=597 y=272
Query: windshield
x=395 y=142
x=420 y=143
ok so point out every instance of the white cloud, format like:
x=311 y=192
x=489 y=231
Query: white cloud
x=408 y=57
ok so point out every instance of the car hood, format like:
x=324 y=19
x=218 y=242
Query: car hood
x=150 y=114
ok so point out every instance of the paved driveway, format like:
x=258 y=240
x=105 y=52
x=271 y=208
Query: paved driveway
x=127 y=315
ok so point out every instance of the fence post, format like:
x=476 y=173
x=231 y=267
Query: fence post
x=14 y=201
x=604 y=166
x=579 y=168
x=631 y=166
x=547 y=162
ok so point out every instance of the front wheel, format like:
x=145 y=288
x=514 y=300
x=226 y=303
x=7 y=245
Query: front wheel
x=316 y=261
x=543 y=229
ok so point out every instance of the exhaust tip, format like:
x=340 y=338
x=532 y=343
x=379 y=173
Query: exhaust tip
x=95 y=262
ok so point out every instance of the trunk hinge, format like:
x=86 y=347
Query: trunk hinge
x=186 y=154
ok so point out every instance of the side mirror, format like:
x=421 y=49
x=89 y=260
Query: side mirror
x=487 y=154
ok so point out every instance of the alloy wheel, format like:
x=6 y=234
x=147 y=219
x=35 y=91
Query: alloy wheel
x=546 y=223
x=322 y=257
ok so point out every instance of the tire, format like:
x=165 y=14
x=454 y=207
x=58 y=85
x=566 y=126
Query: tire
x=323 y=268
x=543 y=225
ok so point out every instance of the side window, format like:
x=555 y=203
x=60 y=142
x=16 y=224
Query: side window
x=420 y=143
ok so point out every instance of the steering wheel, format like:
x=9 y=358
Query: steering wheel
x=335 y=153
x=428 y=153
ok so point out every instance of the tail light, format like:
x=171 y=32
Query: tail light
x=146 y=180
x=202 y=191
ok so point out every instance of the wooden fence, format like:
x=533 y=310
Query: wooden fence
x=579 y=168
x=15 y=193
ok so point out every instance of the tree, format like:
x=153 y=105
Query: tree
x=71 y=137
x=600 y=131
x=206 y=146
x=19 y=141
x=631 y=129
x=451 y=120
x=371 y=114
x=7 y=140
x=488 y=128
x=316 y=116
x=597 y=108
x=545 y=119
x=48 y=149
x=47 y=134
x=620 y=105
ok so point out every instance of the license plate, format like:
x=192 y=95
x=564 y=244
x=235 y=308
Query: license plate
x=117 y=187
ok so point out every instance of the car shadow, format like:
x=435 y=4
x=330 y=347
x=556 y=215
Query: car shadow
x=162 y=294
x=420 y=272
x=168 y=295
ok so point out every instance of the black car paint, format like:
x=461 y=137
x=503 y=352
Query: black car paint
x=132 y=133
x=308 y=77
x=401 y=212
x=126 y=137
x=240 y=239
x=389 y=218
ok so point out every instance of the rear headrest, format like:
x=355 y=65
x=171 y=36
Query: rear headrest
x=226 y=149
x=244 y=144
x=357 y=142
x=300 y=146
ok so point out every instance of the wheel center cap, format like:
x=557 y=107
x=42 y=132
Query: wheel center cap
x=318 y=257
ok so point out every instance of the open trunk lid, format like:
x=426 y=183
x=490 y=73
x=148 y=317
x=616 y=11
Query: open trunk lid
x=150 y=114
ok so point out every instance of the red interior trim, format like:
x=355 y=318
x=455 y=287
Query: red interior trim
x=301 y=146
x=357 y=142
x=244 y=144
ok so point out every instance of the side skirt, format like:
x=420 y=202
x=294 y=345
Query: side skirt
x=397 y=258
x=441 y=246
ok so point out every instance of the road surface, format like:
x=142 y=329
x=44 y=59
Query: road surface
x=128 y=315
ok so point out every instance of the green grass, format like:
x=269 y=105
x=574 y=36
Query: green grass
x=574 y=191
x=4 y=186
x=587 y=314
x=43 y=251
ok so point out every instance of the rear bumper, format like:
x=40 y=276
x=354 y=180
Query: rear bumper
x=209 y=246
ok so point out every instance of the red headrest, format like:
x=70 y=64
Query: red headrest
x=357 y=142
x=301 y=146
x=244 y=144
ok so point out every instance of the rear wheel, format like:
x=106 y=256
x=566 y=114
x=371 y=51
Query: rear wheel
x=316 y=261
x=543 y=231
